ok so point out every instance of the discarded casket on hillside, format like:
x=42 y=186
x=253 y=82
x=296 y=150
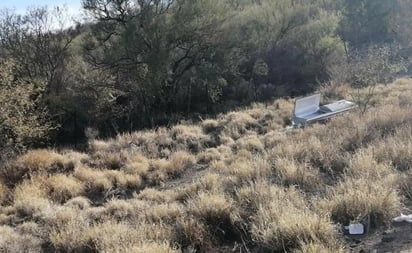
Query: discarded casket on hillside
x=308 y=110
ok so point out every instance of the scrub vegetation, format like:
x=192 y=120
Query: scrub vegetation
x=163 y=125
x=237 y=182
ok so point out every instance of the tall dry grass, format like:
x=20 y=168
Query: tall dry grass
x=238 y=182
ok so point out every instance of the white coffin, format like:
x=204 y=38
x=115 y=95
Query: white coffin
x=308 y=109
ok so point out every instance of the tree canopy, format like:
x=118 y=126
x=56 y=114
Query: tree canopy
x=143 y=63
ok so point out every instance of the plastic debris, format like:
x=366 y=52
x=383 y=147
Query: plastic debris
x=356 y=229
x=403 y=217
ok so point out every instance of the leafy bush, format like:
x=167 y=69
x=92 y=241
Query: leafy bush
x=23 y=121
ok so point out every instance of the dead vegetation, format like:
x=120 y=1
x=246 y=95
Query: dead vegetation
x=236 y=182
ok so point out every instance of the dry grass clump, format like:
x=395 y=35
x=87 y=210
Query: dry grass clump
x=61 y=188
x=163 y=138
x=179 y=162
x=157 y=171
x=271 y=121
x=32 y=208
x=251 y=143
x=256 y=111
x=162 y=169
x=69 y=232
x=110 y=160
x=218 y=212
x=273 y=139
x=98 y=181
x=209 y=182
x=154 y=247
x=241 y=154
x=121 y=141
x=210 y=126
x=345 y=133
x=163 y=213
x=187 y=191
x=283 y=107
x=99 y=145
x=351 y=132
x=190 y=233
x=251 y=197
x=76 y=158
x=396 y=149
x=236 y=124
x=403 y=84
x=373 y=201
x=62 y=216
x=39 y=160
x=363 y=164
x=12 y=241
x=225 y=140
x=35 y=162
x=94 y=180
x=318 y=248
x=219 y=166
x=3 y=192
x=302 y=175
x=272 y=116
x=211 y=206
x=7 y=215
x=80 y=202
x=30 y=199
x=153 y=144
x=75 y=236
x=306 y=148
x=30 y=188
x=383 y=121
x=118 y=210
x=212 y=182
x=208 y=156
x=225 y=151
x=405 y=184
x=333 y=91
x=120 y=237
x=96 y=214
x=138 y=164
x=122 y=181
x=189 y=137
x=397 y=93
x=281 y=224
x=33 y=229
x=154 y=195
x=246 y=169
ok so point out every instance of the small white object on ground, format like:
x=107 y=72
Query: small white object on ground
x=403 y=217
x=356 y=229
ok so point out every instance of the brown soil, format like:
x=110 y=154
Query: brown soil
x=395 y=238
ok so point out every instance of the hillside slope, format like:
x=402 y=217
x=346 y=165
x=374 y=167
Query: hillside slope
x=237 y=183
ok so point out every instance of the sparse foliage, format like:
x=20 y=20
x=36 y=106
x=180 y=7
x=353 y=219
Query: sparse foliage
x=365 y=69
x=23 y=122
